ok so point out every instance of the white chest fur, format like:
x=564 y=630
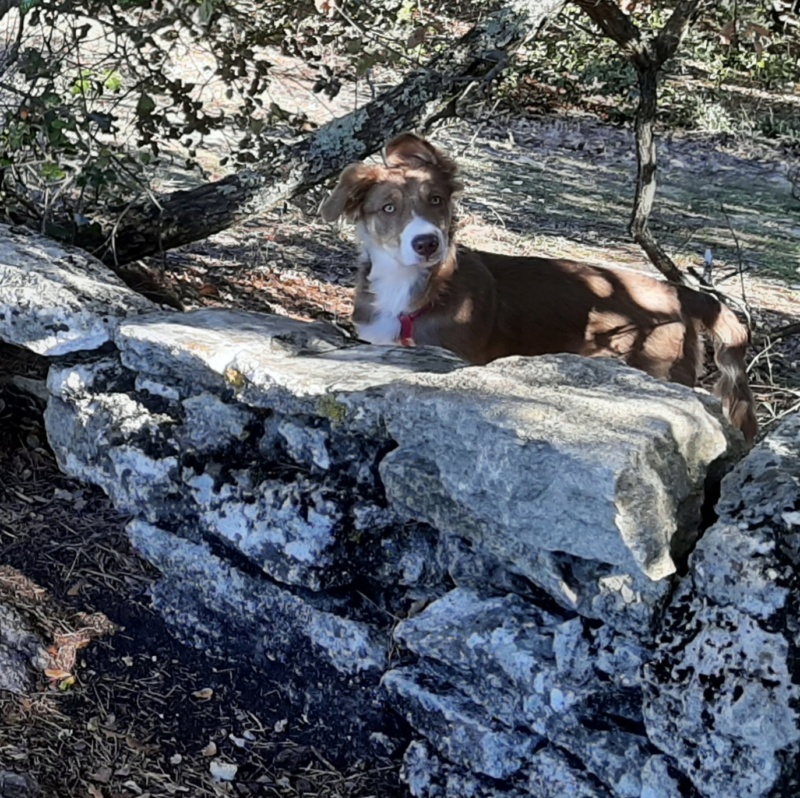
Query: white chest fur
x=394 y=283
x=393 y=289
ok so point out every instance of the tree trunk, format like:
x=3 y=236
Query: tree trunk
x=646 y=175
x=148 y=228
x=647 y=57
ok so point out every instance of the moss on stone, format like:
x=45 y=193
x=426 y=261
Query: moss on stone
x=235 y=378
x=329 y=408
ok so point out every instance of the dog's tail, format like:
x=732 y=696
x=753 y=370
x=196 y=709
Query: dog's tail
x=730 y=339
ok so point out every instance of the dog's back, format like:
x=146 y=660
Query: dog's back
x=546 y=306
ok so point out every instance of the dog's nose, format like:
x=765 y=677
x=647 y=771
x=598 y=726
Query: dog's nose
x=426 y=245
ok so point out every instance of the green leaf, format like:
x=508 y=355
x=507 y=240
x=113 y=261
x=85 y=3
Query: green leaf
x=205 y=11
x=52 y=171
x=112 y=80
x=145 y=106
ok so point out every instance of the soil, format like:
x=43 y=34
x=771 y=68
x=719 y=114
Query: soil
x=145 y=716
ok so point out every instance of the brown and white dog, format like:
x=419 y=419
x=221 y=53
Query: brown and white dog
x=416 y=286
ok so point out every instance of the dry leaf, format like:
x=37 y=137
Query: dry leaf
x=102 y=775
x=140 y=747
x=203 y=695
x=327 y=7
x=56 y=674
x=210 y=749
x=416 y=38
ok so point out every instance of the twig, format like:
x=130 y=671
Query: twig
x=784 y=332
x=785 y=412
x=381 y=39
x=739 y=259
x=762 y=354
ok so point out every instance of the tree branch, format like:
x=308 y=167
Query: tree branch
x=671 y=35
x=618 y=27
x=147 y=228
x=646 y=177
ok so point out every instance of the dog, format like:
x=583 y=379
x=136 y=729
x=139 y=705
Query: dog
x=416 y=286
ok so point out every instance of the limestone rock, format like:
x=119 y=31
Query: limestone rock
x=621 y=492
x=549 y=774
x=659 y=780
x=56 y=299
x=553 y=776
x=561 y=454
x=722 y=691
x=18 y=785
x=513 y=662
x=506 y=455
x=721 y=702
x=289 y=529
x=763 y=489
x=225 y=465
x=458 y=728
x=502 y=651
x=276 y=621
x=103 y=432
x=267 y=360
x=298 y=489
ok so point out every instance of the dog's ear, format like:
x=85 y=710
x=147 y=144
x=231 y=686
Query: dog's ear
x=411 y=149
x=349 y=193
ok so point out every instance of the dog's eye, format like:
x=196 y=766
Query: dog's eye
x=435 y=199
x=388 y=208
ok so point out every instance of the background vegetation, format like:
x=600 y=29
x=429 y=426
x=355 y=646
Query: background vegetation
x=91 y=100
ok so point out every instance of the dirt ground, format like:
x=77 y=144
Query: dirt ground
x=144 y=716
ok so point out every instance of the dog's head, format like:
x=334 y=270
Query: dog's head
x=403 y=209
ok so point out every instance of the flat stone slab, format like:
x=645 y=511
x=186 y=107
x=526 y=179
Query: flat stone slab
x=56 y=299
x=283 y=619
x=266 y=356
x=559 y=453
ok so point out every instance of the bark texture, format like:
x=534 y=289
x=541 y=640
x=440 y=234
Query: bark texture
x=185 y=216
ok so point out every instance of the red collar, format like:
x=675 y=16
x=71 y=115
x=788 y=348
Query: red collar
x=407 y=326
